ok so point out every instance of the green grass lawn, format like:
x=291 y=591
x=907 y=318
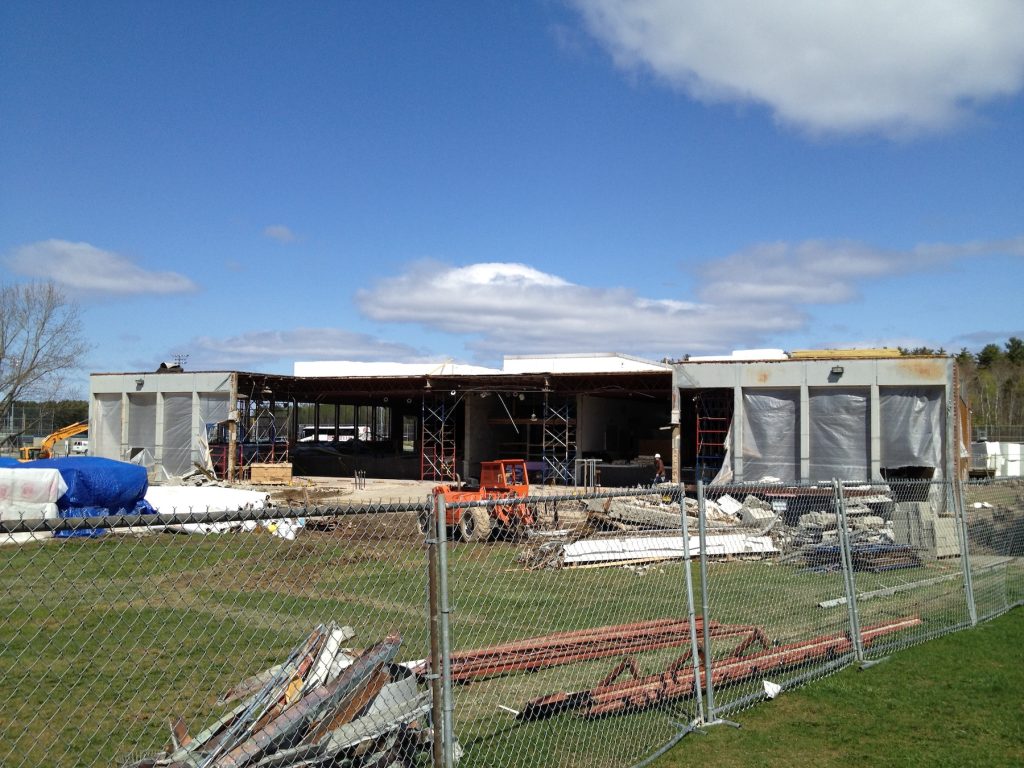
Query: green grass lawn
x=103 y=642
x=955 y=701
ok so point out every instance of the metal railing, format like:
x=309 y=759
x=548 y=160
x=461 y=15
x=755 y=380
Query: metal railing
x=589 y=629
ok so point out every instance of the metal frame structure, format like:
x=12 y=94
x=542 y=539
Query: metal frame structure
x=713 y=416
x=559 y=441
x=437 y=451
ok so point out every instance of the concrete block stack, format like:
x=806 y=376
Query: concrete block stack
x=920 y=525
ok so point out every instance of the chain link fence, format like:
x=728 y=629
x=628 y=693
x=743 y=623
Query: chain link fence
x=130 y=647
x=558 y=640
x=559 y=629
x=994 y=522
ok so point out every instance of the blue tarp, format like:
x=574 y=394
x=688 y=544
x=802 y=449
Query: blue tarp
x=97 y=487
x=7 y=462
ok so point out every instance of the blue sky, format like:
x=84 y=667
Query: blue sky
x=257 y=183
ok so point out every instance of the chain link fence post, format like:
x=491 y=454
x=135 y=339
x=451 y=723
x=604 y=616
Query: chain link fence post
x=712 y=717
x=434 y=600
x=447 y=736
x=846 y=563
x=691 y=612
x=956 y=487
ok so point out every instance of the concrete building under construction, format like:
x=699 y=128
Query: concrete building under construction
x=801 y=416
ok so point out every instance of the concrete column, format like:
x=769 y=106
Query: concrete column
x=875 y=432
x=737 y=432
x=198 y=427
x=805 y=431
x=158 y=437
x=123 y=447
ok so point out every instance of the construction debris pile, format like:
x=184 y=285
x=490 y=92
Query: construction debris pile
x=638 y=531
x=614 y=695
x=866 y=517
x=324 y=706
x=645 y=522
x=815 y=540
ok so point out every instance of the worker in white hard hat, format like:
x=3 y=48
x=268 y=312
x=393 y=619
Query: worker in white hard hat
x=659 y=469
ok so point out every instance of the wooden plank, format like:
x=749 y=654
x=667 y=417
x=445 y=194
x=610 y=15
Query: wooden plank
x=271 y=474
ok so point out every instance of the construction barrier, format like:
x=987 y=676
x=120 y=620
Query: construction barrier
x=561 y=629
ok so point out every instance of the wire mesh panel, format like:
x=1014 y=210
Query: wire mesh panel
x=772 y=597
x=994 y=512
x=216 y=640
x=551 y=629
x=905 y=554
x=571 y=646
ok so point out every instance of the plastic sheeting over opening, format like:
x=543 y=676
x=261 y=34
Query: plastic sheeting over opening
x=141 y=427
x=105 y=432
x=771 y=434
x=913 y=427
x=213 y=409
x=840 y=425
x=177 y=437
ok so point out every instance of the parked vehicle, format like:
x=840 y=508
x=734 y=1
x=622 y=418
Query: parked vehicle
x=502 y=484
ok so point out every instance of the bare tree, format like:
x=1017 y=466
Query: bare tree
x=40 y=338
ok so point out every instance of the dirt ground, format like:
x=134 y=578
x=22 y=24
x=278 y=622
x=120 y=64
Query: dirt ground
x=342 y=491
x=307 y=491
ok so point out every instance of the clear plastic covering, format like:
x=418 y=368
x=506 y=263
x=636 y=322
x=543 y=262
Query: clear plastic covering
x=771 y=434
x=177 y=437
x=912 y=427
x=141 y=425
x=213 y=409
x=840 y=425
x=105 y=436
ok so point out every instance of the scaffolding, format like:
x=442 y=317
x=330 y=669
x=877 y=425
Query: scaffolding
x=559 y=442
x=714 y=417
x=437 y=454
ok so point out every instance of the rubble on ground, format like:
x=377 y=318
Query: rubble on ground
x=324 y=705
x=747 y=528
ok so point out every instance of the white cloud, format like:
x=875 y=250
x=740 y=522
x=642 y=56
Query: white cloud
x=828 y=272
x=511 y=308
x=843 y=66
x=279 y=232
x=84 y=268
x=259 y=349
x=746 y=299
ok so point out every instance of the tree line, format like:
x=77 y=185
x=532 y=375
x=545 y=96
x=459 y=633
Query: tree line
x=993 y=381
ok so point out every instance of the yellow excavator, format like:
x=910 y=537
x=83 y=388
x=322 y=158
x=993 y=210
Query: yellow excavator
x=45 y=450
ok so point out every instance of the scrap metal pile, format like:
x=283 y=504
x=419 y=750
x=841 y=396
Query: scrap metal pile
x=581 y=645
x=324 y=706
x=612 y=695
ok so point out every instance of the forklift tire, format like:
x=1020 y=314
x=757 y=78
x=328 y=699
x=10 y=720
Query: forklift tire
x=475 y=525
